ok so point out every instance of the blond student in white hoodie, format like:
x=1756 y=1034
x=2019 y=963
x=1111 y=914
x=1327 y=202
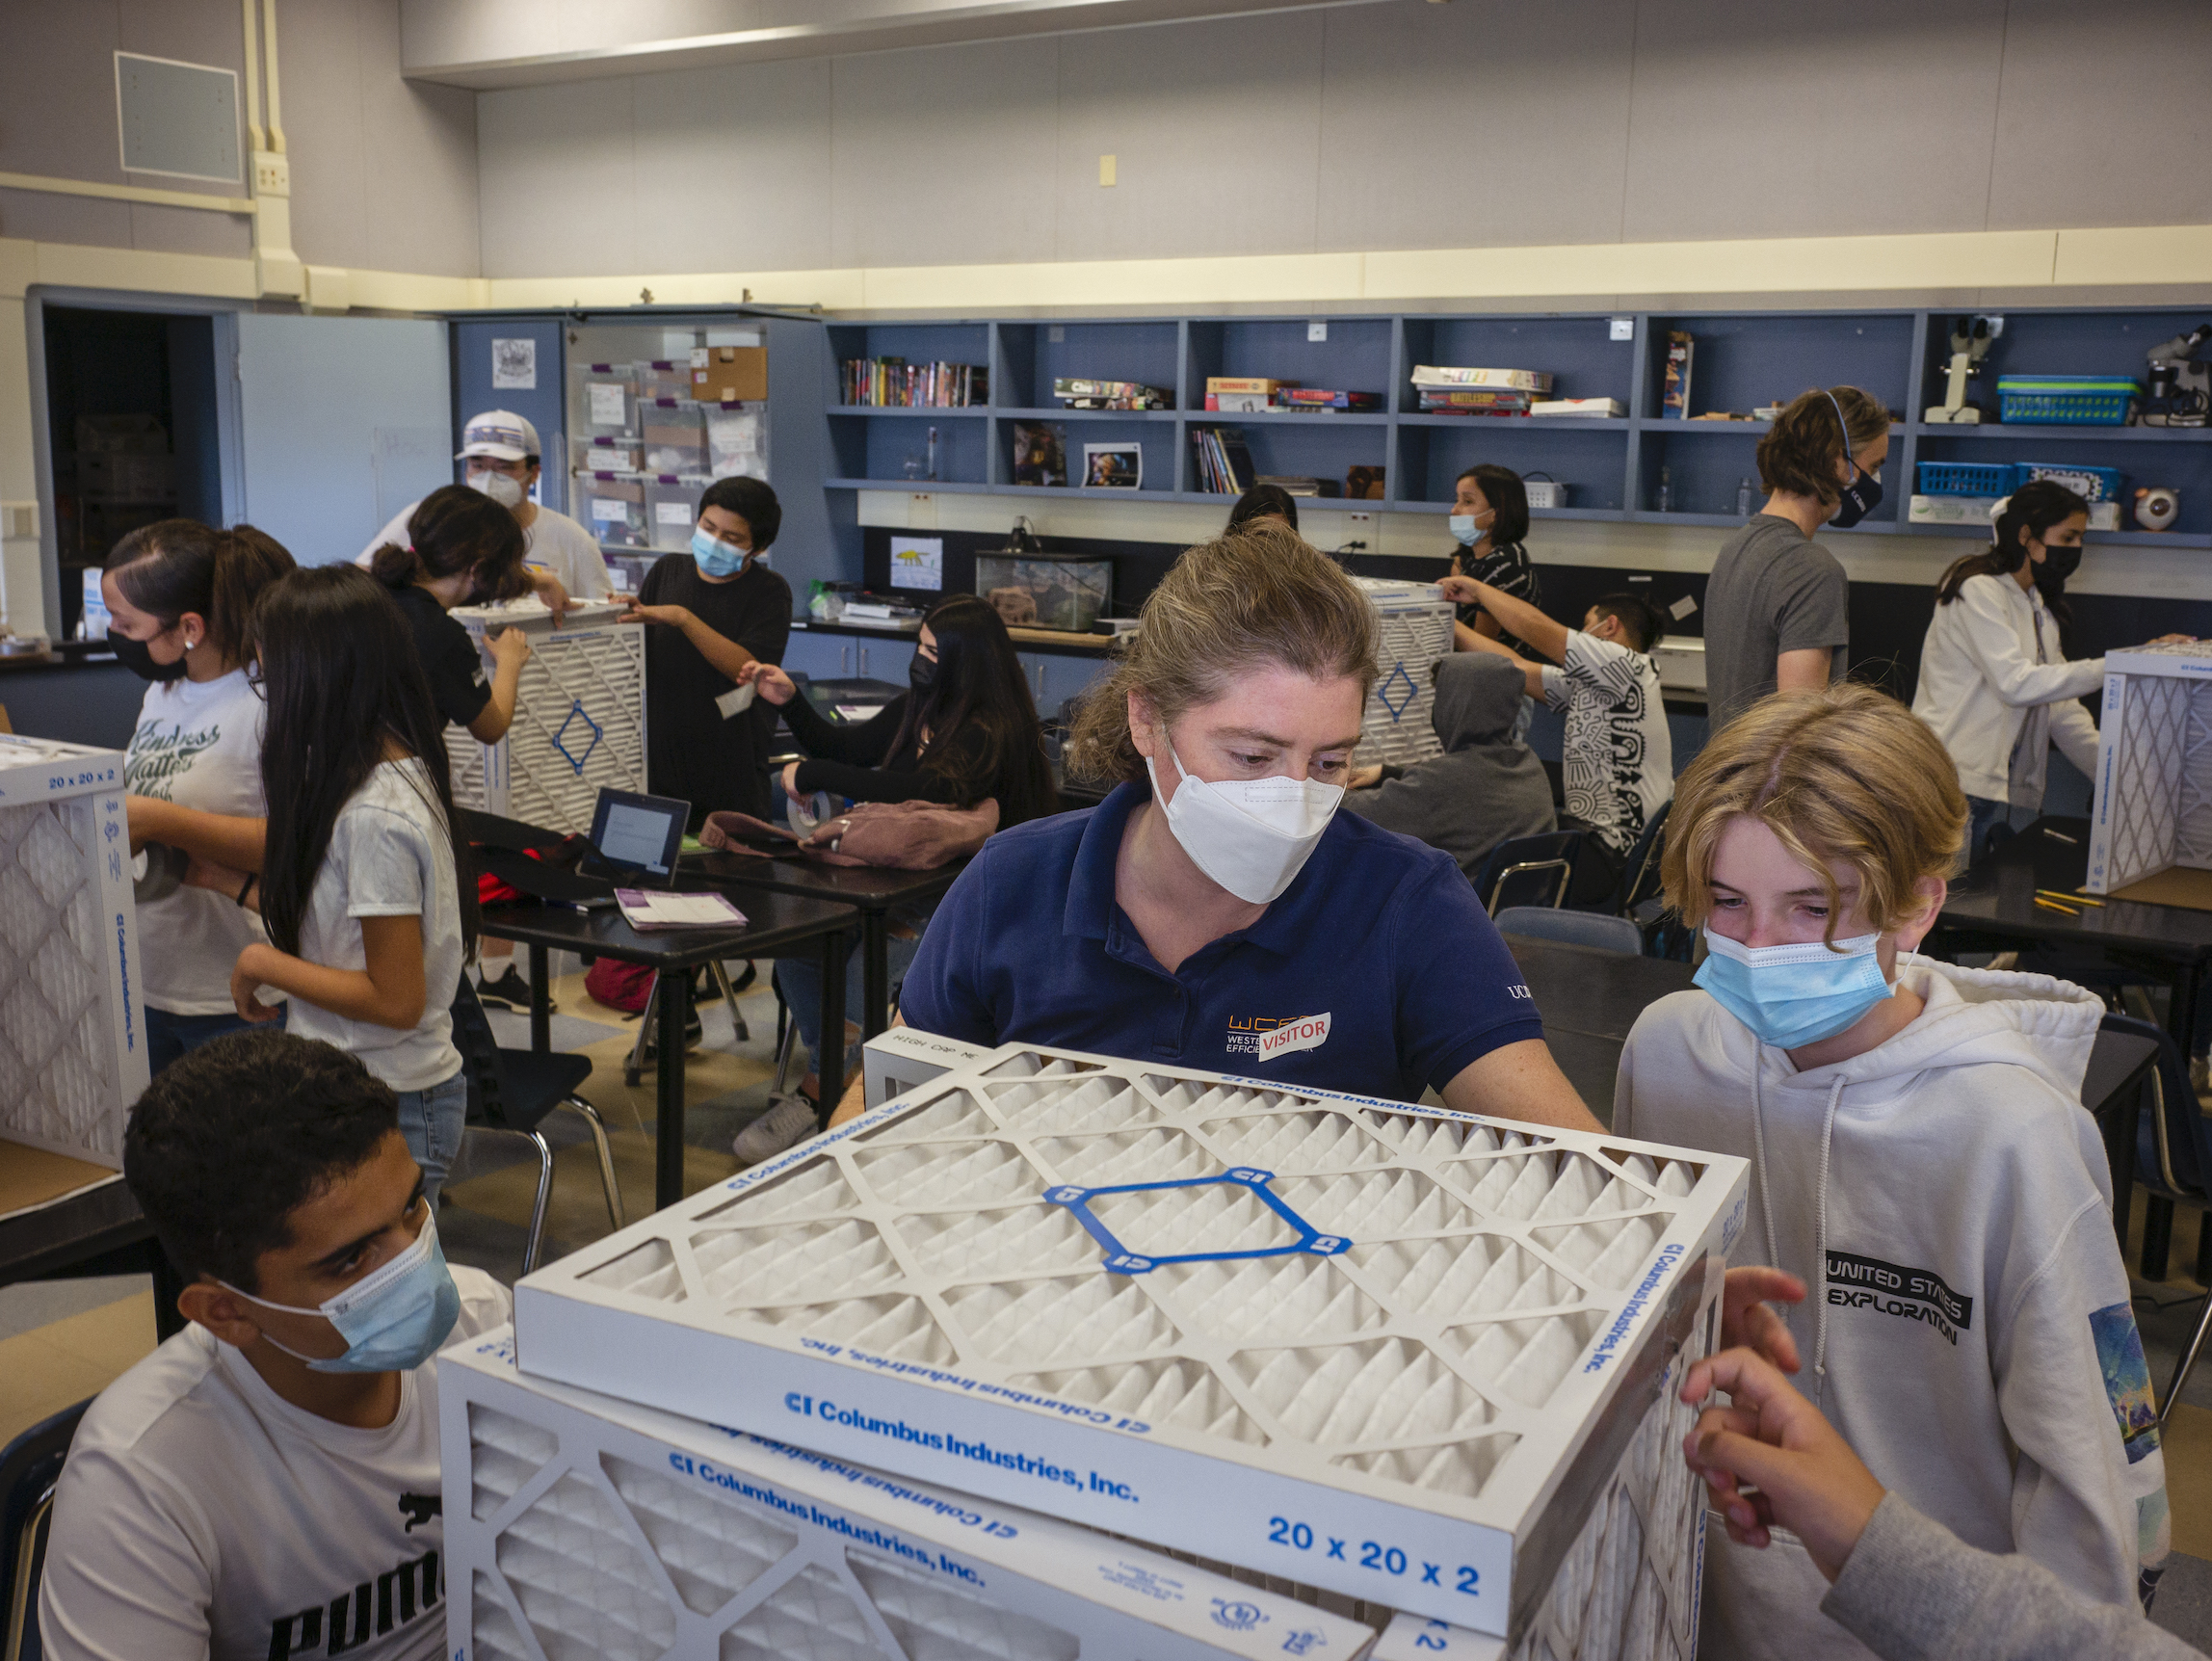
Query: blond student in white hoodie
x=1994 y=684
x=1920 y=1159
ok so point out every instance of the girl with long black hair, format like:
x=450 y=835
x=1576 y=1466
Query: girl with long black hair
x=365 y=886
x=965 y=732
x=1994 y=680
x=180 y=600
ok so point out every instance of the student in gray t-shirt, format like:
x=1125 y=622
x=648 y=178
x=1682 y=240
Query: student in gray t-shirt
x=1776 y=606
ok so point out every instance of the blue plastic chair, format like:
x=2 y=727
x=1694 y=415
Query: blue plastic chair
x=2173 y=1158
x=30 y=1470
x=1574 y=928
x=1521 y=869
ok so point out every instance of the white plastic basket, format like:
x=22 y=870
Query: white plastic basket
x=2153 y=804
x=579 y=718
x=1413 y=626
x=1399 y=1355
x=577 y=1526
x=72 y=1044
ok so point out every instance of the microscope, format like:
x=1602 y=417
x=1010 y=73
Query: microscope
x=1970 y=338
x=2180 y=382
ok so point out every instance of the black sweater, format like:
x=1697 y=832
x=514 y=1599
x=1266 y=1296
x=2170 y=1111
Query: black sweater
x=859 y=761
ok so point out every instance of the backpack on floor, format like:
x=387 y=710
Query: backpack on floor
x=623 y=986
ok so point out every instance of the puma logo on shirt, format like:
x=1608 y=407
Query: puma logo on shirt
x=420 y=1507
x=370 y=1610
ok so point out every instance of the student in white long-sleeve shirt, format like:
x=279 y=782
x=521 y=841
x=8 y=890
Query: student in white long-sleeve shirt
x=266 y=1484
x=1920 y=1159
x=1994 y=684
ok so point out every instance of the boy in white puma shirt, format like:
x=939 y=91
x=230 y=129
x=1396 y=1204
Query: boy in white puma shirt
x=1920 y=1159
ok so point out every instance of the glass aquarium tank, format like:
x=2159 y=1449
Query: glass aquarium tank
x=1032 y=590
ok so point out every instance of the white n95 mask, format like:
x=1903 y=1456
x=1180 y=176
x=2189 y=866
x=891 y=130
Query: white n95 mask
x=505 y=491
x=1251 y=836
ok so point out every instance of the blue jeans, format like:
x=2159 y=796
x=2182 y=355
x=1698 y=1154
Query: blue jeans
x=168 y=1037
x=432 y=1121
x=800 y=981
x=1982 y=813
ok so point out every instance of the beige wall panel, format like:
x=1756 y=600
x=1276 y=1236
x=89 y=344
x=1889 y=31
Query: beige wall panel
x=1216 y=132
x=1484 y=122
x=556 y=180
x=944 y=156
x=1755 y=119
x=58 y=92
x=419 y=205
x=37 y=216
x=2105 y=117
x=733 y=167
x=187 y=230
x=319 y=66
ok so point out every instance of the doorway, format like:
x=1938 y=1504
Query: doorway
x=131 y=418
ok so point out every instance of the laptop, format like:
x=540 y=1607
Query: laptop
x=635 y=839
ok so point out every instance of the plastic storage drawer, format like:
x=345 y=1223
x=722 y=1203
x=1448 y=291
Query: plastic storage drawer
x=616 y=511
x=2066 y=400
x=608 y=455
x=605 y=399
x=672 y=509
x=72 y=1037
x=659 y=379
x=673 y=439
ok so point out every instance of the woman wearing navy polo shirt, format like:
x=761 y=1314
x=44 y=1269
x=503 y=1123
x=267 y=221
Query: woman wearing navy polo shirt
x=1216 y=911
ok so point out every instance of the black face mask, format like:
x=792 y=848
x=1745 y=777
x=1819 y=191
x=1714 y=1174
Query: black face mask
x=134 y=655
x=1860 y=497
x=2058 y=564
x=921 y=672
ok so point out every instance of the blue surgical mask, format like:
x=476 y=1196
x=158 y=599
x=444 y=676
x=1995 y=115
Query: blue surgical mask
x=715 y=557
x=392 y=1321
x=1797 y=994
x=1467 y=530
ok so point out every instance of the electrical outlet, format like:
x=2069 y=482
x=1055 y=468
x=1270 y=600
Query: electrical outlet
x=272 y=174
x=1055 y=334
x=1365 y=522
x=1317 y=331
x=1106 y=170
x=19 y=520
x=1623 y=328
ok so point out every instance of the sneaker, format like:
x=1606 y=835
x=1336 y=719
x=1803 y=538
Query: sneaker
x=788 y=1122
x=510 y=992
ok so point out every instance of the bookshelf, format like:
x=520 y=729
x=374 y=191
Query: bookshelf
x=1613 y=464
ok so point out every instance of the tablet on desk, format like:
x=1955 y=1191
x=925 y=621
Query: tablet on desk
x=634 y=838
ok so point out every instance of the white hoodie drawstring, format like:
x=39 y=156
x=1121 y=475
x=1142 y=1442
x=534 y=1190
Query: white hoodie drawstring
x=1820 y=1339
x=1767 y=1209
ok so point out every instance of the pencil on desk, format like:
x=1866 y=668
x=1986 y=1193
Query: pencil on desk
x=2064 y=898
x=2054 y=906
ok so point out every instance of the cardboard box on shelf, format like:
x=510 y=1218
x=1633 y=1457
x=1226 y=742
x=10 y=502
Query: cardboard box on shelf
x=729 y=374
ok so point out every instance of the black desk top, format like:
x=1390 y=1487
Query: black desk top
x=772 y=920
x=2053 y=852
x=871 y=887
x=74 y=1228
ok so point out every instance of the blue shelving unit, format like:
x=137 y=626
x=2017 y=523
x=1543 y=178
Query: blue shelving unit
x=1743 y=361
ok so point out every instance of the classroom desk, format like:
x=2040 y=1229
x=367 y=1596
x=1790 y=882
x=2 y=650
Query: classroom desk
x=96 y=1231
x=869 y=889
x=1996 y=904
x=777 y=925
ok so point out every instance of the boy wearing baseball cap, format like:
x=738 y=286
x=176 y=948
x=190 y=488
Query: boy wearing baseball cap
x=501 y=450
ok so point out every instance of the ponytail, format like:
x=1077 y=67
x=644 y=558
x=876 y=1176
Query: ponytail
x=393 y=565
x=2033 y=508
x=177 y=566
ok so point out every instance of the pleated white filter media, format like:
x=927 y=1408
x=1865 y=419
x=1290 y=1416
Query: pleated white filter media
x=579 y=717
x=2153 y=805
x=578 y=1526
x=1413 y=632
x=1392 y=1353
x=72 y=1044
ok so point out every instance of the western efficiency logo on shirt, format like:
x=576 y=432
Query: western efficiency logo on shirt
x=1266 y=1037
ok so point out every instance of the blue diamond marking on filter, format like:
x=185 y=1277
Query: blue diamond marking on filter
x=561 y=739
x=1397 y=691
x=1122 y=1259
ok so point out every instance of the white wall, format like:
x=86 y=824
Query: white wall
x=384 y=172
x=1404 y=125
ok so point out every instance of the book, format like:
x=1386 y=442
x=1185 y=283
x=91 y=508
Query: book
x=1321 y=398
x=1298 y=486
x=1475 y=402
x=1224 y=462
x=1511 y=379
x=1240 y=402
x=1246 y=383
x=1039 y=454
x=892 y=383
x=1088 y=394
x=1578 y=407
x=1675 y=400
x=650 y=911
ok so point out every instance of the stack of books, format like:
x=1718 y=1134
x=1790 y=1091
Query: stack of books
x=889 y=382
x=1086 y=394
x=1578 y=407
x=1246 y=394
x=1453 y=391
x=1224 y=465
x=1321 y=398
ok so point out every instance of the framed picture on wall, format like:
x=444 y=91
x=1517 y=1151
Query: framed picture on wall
x=1112 y=466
